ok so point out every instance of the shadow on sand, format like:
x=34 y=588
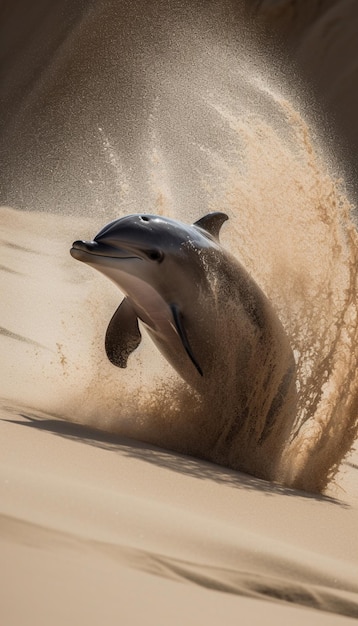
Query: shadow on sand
x=174 y=461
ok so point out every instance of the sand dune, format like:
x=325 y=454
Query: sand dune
x=98 y=527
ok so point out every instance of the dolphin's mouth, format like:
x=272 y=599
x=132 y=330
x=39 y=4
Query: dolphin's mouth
x=81 y=250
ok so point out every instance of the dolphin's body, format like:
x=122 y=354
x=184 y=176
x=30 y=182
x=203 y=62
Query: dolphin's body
x=209 y=319
x=200 y=306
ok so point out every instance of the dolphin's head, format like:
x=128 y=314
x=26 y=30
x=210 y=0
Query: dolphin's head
x=143 y=246
x=144 y=237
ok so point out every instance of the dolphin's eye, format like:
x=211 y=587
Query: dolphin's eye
x=155 y=255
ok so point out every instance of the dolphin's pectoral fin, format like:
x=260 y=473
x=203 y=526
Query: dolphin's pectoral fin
x=182 y=334
x=212 y=223
x=123 y=334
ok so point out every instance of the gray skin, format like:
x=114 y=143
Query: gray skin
x=199 y=305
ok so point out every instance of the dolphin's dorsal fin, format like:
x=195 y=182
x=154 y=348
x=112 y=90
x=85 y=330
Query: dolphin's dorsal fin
x=182 y=334
x=123 y=334
x=212 y=223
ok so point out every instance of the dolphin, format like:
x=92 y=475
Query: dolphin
x=196 y=301
x=159 y=264
x=203 y=310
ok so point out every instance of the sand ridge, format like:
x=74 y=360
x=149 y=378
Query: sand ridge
x=106 y=504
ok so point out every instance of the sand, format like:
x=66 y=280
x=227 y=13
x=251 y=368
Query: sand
x=96 y=527
x=99 y=528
